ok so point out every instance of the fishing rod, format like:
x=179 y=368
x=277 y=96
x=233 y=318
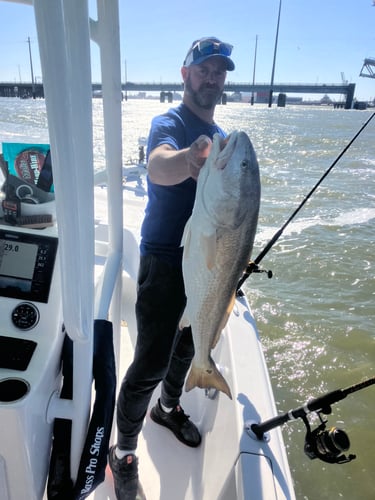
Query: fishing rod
x=327 y=445
x=253 y=265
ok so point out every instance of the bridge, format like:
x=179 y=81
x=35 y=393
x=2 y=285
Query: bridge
x=9 y=89
x=264 y=88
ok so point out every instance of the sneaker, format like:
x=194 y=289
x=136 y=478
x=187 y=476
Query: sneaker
x=125 y=475
x=178 y=422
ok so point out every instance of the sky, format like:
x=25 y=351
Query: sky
x=320 y=41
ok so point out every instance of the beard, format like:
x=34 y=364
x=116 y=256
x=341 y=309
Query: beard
x=206 y=96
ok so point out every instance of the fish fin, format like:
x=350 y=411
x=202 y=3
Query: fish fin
x=184 y=321
x=207 y=379
x=224 y=321
x=208 y=242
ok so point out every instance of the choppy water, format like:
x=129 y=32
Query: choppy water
x=316 y=315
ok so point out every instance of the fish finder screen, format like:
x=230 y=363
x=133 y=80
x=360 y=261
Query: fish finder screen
x=26 y=266
x=17 y=260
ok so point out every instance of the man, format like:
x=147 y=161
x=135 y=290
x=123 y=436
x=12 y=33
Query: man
x=179 y=142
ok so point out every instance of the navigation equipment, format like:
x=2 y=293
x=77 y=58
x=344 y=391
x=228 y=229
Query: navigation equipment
x=26 y=265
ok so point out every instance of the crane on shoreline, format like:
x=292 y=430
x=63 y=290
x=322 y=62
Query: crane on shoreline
x=369 y=66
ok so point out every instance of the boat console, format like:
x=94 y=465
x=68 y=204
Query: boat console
x=30 y=345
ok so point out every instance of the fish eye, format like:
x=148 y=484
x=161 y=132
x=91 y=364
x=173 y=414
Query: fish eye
x=244 y=164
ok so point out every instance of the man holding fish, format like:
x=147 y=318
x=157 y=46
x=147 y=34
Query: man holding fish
x=179 y=143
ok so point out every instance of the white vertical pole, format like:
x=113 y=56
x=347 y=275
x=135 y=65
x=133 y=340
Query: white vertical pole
x=64 y=44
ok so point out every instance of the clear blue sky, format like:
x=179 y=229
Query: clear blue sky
x=318 y=39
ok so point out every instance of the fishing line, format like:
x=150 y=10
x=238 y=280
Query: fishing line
x=253 y=265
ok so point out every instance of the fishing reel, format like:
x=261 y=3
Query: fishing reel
x=327 y=444
x=257 y=269
x=252 y=267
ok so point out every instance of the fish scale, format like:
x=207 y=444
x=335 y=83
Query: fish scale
x=218 y=241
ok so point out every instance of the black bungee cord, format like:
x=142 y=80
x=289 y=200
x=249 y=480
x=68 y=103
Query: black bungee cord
x=253 y=266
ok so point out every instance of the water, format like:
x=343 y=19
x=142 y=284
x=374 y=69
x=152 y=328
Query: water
x=315 y=316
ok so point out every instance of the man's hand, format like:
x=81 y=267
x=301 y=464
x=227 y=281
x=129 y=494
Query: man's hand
x=167 y=166
x=197 y=153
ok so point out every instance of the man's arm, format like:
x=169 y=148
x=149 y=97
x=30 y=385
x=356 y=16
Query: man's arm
x=167 y=166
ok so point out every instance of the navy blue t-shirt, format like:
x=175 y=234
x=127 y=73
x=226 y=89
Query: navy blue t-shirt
x=169 y=207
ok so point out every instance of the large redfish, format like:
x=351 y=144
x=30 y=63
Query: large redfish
x=218 y=240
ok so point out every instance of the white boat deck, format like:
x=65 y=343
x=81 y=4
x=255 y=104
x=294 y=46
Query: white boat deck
x=227 y=454
x=229 y=463
x=215 y=469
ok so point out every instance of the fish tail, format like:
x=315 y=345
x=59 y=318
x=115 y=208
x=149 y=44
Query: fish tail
x=207 y=379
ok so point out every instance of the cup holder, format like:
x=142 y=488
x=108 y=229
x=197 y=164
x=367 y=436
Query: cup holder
x=13 y=389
